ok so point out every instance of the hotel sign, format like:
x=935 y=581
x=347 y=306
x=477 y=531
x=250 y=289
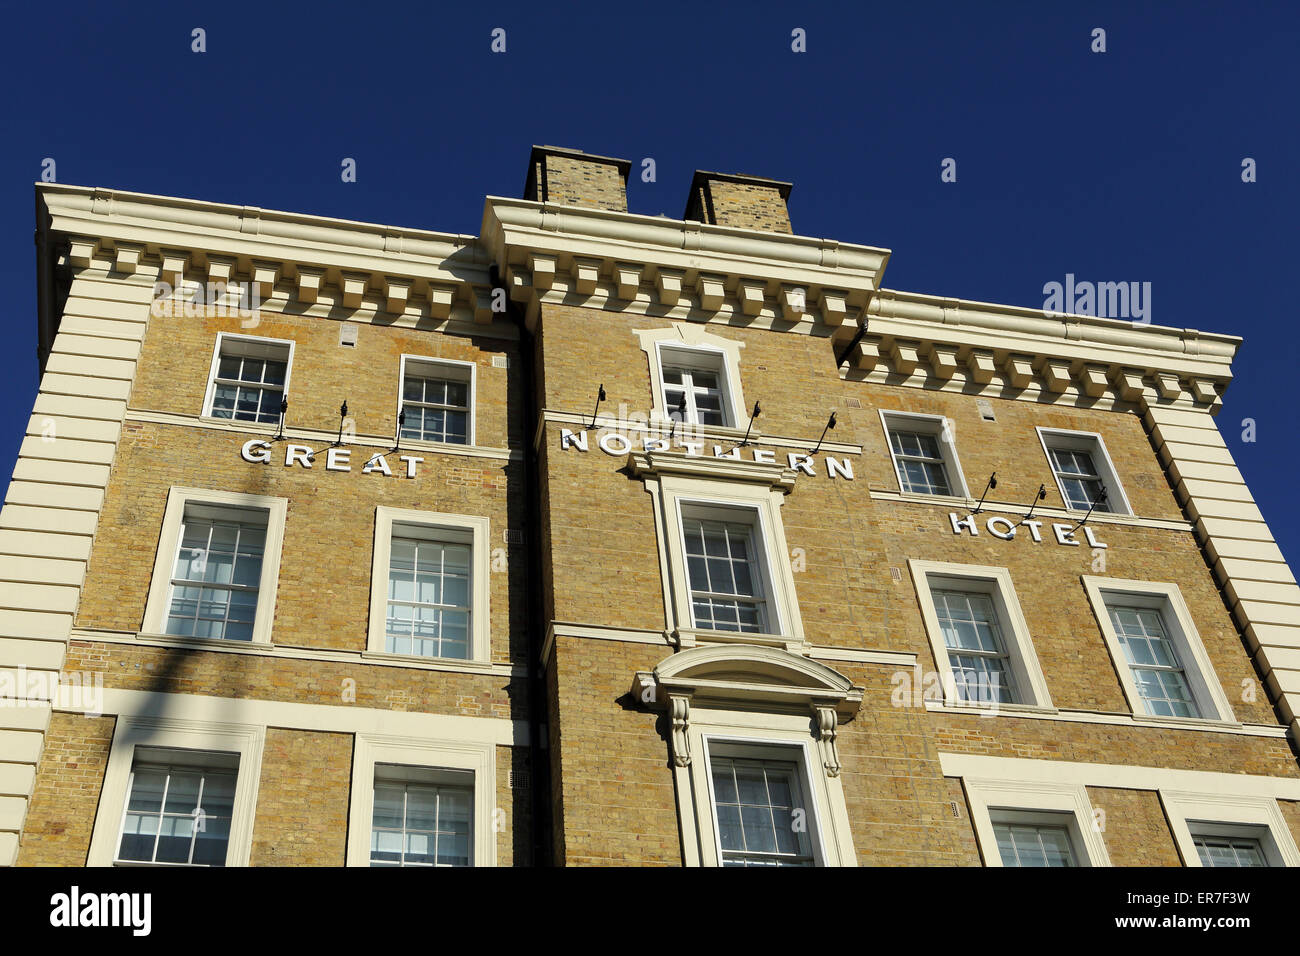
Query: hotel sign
x=1006 y=529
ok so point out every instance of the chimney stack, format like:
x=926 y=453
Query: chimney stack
x=575 y=178
x=749 y=202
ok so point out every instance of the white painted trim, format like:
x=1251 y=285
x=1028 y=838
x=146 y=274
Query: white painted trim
x=342 y=718
x=245 y=740
x=1199 y=671
x=298 y=652
x=469 y=369
x=178 y=499
x=828 y=814
x=731 y=408
x=941 y=428
x=691 y=337
x=479 y=529
x=995 y=582
x=1117 y=776
x=764 y=503
x=1262 y=814
x=1116 y=720
x=988 y=797
x=477 y=757
x=206 y=411
x=1093 y=443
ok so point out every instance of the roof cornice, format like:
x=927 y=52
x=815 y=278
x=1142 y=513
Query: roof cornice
x=339 y=262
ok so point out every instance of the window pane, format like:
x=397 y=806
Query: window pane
x=418 y=824
x=178 y=815
x=752 y=807
x=1034 y=844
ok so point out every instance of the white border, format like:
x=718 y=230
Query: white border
x=688 y=337
x=996 y=582
x=1199 y=671
x=471 y=433
x=479 y=529
x=430 y=753
x=246 y=740
x=942 y=428
x=987 y=796
x=1093 y=443
x=157 y=603
x=1223 y=809
x=828 y=815
x=208 y=394
x=670 y=493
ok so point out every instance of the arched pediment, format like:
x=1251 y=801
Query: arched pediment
x=750 y=675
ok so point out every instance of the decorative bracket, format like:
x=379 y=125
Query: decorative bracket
x=826 y=733
x=679 y=713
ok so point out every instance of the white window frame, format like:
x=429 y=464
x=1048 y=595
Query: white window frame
x=996 y=583
x=673 y=494
x=1206 y=689
x=158 y=602
x=210 y=392
x=459 y=527
x=705 y=357
x=941 y=428
x=1095 y=446
x=993 y=801
x=777 y=737
x=427 y=754
x=242 y=740
x=461 y=371
x=733 y=514
x=1259 y=817
x=687 y=338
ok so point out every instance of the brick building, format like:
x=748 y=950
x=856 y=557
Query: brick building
x=604 y=538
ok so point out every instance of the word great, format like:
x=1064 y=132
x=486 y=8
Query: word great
x=614 y=443
x=336 y=459
x=1005 y=529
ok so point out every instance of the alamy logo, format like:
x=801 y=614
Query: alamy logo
x=74 y=908
x=1107 y=300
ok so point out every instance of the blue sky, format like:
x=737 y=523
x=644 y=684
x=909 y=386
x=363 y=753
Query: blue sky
x=1122 y=166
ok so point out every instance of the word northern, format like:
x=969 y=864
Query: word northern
x=617 y=444
x=1005 y=529
x=258 y=451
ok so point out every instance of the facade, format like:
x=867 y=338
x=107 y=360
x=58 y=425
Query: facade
x=601 y=538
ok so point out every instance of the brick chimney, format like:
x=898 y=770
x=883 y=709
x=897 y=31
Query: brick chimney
x=575 y=178
x=749 y=202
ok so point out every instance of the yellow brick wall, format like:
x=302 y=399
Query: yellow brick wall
x=578 y=182
x=748 y=206
x=1133 y=827
x=604 y=568
x=302 y=799
x=69 y=778
x=176 y=359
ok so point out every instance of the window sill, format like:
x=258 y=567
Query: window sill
x=456 y=663
x=1112 y=719
x=1187 y=723
x=298 y=652
x=200 y=643
x=989 y=709
x=685 y=637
